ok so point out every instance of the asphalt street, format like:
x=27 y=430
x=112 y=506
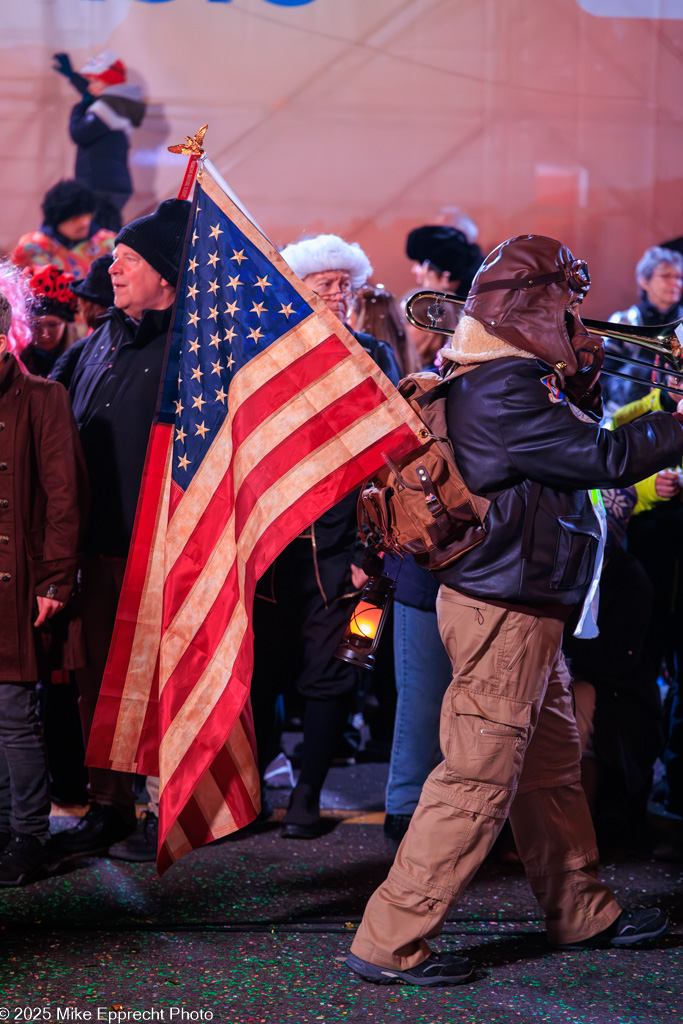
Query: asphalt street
x=255 y=930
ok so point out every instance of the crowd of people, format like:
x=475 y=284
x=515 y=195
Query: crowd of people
x=482 y=674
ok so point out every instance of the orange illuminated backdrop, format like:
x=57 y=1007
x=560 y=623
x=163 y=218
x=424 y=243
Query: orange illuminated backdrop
x=369 y=117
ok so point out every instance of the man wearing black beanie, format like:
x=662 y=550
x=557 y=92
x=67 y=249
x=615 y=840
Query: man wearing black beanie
x=114 y=391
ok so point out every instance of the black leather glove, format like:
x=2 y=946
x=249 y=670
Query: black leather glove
x=373 y=564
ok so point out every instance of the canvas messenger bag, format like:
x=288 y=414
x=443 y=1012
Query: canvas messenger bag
x=420 y=504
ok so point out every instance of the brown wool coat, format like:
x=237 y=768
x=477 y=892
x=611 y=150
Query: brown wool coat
x=43 y=501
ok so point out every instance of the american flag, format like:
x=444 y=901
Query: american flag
x=271 y=412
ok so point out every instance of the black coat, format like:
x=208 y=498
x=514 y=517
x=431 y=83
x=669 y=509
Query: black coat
x=100 y=130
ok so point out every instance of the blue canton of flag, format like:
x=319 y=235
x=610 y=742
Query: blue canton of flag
x=232 y=305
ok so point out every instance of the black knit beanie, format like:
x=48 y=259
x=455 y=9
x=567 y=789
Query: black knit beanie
x=159 y=237
x=64 y=200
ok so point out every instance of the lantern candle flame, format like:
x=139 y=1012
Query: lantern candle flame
x=363 y=632
x=366 y=619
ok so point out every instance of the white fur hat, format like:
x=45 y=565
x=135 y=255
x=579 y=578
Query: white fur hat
x=328 y=252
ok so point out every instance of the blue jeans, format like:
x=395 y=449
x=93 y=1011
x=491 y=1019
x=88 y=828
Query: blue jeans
x=423 y=674
x=24 y=785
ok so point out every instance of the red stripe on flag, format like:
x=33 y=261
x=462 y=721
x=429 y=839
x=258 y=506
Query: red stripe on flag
x=138 y=561
x=201 y=542
x=193 y=824
x=331 y=421
x=325 y=494
x=191 y=817
x=228 y=780
x=328 y=423
x=201 y=649
x=211 y=736
x=287 y=385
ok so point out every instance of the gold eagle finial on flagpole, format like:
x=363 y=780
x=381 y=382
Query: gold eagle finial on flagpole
x=191 y=146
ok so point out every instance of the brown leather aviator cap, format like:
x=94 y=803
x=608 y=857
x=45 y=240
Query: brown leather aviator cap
x=522 y=294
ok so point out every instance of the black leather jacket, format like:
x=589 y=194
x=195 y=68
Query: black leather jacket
x=518 y=442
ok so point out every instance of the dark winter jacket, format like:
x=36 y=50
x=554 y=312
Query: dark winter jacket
x=101 y=130
x=518 y=441
x=64 y=367
x=114 y=390
x=43 y=503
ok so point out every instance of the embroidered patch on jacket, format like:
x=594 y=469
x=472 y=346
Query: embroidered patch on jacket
x=554 y=393
x=581 y=415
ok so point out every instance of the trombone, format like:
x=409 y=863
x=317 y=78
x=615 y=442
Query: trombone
x=666 y=341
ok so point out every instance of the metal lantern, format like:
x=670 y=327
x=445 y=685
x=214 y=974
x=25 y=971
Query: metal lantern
x=364 y=630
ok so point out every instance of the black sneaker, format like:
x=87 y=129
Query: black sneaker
x=437 y=969
x=140 y=846
x=22 y=860
x=630 y=928
x=97 y=830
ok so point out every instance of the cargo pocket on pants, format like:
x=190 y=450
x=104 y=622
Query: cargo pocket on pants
x=488 y=739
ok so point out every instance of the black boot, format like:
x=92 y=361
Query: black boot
x=22 y=860
x=140 y=845
x=302 y=820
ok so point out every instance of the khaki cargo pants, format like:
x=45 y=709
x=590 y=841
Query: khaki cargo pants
x=511 y=749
